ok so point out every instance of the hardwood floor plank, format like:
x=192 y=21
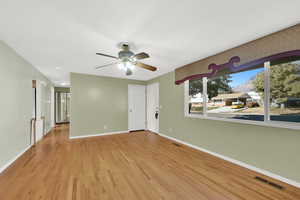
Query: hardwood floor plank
x=139 y=165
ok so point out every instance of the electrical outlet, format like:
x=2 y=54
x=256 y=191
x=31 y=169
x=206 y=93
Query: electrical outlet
x=170 y=130
x=105 y=127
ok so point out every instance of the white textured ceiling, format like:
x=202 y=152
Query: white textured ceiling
x=62 y=36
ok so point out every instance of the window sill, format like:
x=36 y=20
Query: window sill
x=276 y=124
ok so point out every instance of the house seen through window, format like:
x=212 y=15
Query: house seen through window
x=242 y=95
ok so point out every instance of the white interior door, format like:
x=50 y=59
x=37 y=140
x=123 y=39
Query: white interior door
x=153 y=107
x=136 y=107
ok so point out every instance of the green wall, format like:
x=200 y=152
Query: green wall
x=274 y=149
x=97 y=102
x=16 y=102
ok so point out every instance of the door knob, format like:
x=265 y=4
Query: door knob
x=156 y=115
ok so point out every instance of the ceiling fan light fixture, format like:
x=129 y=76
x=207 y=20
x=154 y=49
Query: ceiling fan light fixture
x=129 y=65
x=126 y=65
x=121 y=66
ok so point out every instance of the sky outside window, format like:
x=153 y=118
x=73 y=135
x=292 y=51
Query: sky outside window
x=240 y=78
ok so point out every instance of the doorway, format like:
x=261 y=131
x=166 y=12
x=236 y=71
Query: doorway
x=62 y=107
x=153 y=107
x=136 y=107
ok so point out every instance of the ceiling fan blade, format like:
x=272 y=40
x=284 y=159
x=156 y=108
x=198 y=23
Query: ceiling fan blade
x=106 y=65
x=145 y=66
x=141 y=56
x=102 y=54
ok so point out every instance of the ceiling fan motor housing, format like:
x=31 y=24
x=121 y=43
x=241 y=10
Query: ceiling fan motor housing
x=125 y=52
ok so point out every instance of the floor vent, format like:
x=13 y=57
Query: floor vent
x=176 y=144
x=132 y=131
x=269 y=182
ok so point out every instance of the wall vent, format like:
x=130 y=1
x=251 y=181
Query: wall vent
x=269 y=182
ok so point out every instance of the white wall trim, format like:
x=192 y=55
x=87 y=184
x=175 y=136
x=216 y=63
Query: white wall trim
x=13 y=159
x=98 y=134
x=274 y=124
x=262 y=171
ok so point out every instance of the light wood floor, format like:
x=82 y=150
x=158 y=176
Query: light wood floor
x=133 y=166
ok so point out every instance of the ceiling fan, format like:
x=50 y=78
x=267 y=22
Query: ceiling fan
x=127 y=60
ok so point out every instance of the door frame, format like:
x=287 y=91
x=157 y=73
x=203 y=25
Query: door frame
x=148 y=109
x=40 y=101
x=52 y=101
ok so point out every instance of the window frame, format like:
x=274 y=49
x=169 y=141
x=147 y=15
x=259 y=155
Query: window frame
x=267 y=121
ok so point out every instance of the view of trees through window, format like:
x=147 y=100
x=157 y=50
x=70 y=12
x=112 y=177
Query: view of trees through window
x=241 y=95
x=285 y=92
x=196 y=97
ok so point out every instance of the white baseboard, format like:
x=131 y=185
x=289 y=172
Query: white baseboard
x=262 y=171
x=48 y=131
x=98 y=134
x=13 y=159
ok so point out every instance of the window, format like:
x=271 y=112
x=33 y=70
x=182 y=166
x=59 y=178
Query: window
x=265 y=94
x=236 y=96
x=285 y=92
x=196 y=96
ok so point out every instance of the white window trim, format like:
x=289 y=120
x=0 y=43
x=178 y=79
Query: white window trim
x=267 y=91
x=267 y=122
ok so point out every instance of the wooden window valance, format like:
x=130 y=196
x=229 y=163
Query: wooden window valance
x=276 y=47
